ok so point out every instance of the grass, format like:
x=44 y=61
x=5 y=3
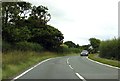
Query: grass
x=104 y=60
x=15 y=62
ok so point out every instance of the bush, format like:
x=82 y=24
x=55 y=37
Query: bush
x=65 y=49
x=6 y=46
x=26 y=46
x=22 y=46
x=109 y=49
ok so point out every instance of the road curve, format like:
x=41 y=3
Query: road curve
x=92 y=70
x=72 y=67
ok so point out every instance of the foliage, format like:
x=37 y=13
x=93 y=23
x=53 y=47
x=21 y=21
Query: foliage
x=21 y=46
x=28 y=46
x=85 y=47
x=19 y=27
x=95 y=44
x=64 y=45
x=41 y=14
x=6 y=46
x=65 y=49
x=16 y=61
x=12 y=30
x=77 y=46
x=49 y=37
x=70 y=44
x=12 y=11
x=13 y=34
x=110 y=49
x=104 y=60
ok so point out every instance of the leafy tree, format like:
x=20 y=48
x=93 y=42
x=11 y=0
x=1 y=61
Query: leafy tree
x=41 y=14
x=13 y=28
x=70 y=44
x=85 y=47
x=25 y=8
x=18 y=27
x=12 y=11
x=77 y=46
x=12 y=34
x=49 y=37
x=95 y=44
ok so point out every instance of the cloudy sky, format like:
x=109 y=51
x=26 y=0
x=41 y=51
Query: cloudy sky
x=80 y=20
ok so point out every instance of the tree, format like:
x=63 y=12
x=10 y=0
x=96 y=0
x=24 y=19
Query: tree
x=13 y=25
x=41 y=14
x=70 y=44
x=77 y=46
x=12 y=11
x=49 y=37
x=18 y=27
x=95 y=44
x=25 y=8
x=85 y=47
x=12 y=34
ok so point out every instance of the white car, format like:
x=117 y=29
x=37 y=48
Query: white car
x=84 y=53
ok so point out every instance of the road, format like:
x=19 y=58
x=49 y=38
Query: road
x=72 y=67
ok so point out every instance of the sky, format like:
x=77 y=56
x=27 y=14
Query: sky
x=80 y=20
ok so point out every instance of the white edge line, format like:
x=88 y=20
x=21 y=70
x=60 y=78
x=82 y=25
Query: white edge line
x=30 y=69
x=80 y=77
x=103 y=63
x=70 y=66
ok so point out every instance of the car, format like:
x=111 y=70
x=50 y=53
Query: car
x=84 y=53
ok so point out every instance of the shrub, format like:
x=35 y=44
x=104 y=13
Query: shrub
x=109 y=49
x=64 y=49
x=6 y=46
x=25 y=46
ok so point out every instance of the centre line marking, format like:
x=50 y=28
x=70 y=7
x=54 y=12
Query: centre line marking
x=80 y=77
x=67 y=61
x=70 y=66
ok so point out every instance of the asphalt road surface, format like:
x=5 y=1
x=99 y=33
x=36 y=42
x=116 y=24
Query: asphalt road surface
x=71 y=67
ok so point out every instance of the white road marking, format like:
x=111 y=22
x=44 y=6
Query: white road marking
x=103 y=63
x=77 y=74
x=80 y=77
x=67 y=60
x=70 y=66
x=30 y=69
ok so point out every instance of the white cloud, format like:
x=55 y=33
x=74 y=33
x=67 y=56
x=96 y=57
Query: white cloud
x=80 y=20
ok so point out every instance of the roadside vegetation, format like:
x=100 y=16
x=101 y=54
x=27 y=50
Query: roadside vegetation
x=109 y=52
x=110 y=49
x=21 y=56
x=28 y=39
x=111 y=62
x=17 y=61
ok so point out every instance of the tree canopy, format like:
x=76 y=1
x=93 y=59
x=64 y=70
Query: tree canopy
x=70 y=44
x=23 y=22
x=95 y=44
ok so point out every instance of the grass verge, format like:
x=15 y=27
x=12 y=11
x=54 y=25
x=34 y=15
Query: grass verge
x=105 y=61
x=15 y=62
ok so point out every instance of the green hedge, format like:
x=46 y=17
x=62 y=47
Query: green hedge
x=109 y=49
x=6 y=46
x=22 y=46
x=65 y=49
